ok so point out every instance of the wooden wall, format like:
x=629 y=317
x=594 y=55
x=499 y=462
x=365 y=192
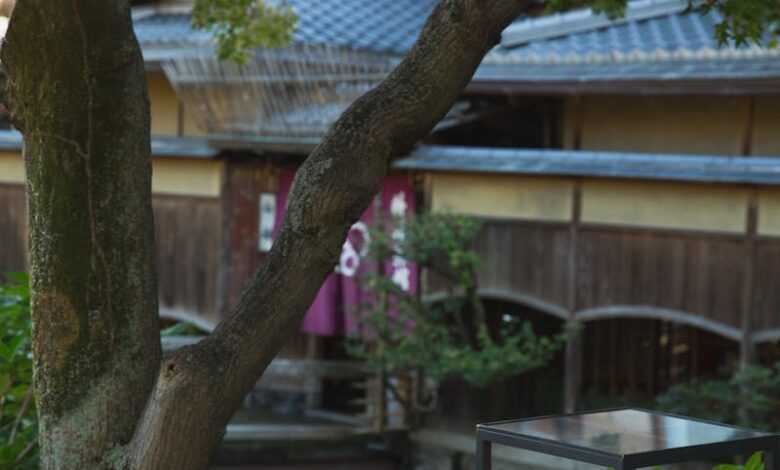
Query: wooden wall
x=632 y=360
x=520 y=259
x=188 y=232
x=13 y=228
x=244 y=182
x=642 y=249
x=188 y=238
x=697 y=274
x=766 y=293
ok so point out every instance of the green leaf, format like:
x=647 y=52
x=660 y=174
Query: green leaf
x=727 y=466
x=755 y=462
x=5 y=382
x=240 y=26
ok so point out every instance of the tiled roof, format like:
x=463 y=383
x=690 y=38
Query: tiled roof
x=671 y=44
x=387 y=26
x=562 y=24
x=701 y=168
x=188 y=147
x=674 y=34
x=658 y=40
x=168 y=29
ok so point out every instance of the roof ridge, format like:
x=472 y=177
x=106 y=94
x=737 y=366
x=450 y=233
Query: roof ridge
x=145 y=11
x=635 y=56
x=585 y=19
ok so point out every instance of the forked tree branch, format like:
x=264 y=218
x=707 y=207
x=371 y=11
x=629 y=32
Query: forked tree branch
x=201 y=386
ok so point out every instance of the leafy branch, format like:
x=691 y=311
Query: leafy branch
x=399 y=332
x=239 y=26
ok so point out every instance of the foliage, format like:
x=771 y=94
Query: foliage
x=182 y=329
x=611 y=8
x=449 y=338
x=755 y=462
x=18 y=423
x=745 y=21
x=748 y=398
x=18 y=420
x=242 y=25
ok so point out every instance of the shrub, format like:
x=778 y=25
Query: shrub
x=400 y=333
x=747 y=398
x=18 y=423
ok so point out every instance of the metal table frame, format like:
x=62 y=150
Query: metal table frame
x=769 y=444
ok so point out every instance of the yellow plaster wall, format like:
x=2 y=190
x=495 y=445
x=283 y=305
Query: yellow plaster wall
x=165 y=109
x=665 y=205
x=508 y=197
x=11 y=168
x=164 y=105
x=666 y=124
x=769 y=212
x=766 y=136
x=186 y=177
x=180 y=176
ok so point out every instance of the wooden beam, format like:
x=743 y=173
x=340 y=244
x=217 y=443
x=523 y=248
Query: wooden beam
x=481 y=85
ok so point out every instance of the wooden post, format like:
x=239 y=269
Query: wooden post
x=747 y=349
x=224 y=271
x=313 y=384
x=573 y=369
x=180 y=119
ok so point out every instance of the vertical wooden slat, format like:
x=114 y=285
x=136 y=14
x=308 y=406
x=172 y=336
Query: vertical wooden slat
x=651 y=364
x=187 y=242
x=573 y=368
x=13 y=229
x=634 y=338
x=614 y=353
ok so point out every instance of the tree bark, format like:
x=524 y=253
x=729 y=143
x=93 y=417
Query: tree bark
x=77 y=88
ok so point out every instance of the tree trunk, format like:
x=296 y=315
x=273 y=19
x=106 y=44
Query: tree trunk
x=77 y=90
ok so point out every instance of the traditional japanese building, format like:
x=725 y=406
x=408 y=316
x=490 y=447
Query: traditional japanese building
x=626 y=173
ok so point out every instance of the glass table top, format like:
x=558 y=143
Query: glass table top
x=623 y=432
